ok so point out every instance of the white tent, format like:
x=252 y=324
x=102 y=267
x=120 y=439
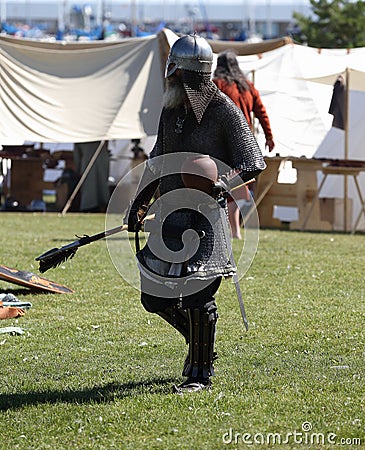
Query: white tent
x=296 y=84
x=347 y=144
x=297 y=103
x=79 y=92
x=51 y=92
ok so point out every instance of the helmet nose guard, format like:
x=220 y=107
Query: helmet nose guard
x=190 y=52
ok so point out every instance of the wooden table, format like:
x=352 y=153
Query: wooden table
x=345 y=170
x=270 y=193
x=304 y=194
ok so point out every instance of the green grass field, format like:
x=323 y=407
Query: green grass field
x=93 y=370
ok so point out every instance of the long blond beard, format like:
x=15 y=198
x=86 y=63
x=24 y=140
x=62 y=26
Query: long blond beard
x=174 y=96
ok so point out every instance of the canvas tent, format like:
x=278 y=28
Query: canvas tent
x=296 y=104
x=296 y=85
x=347 y=143
x=52 y=92
x=58 y=93
x=79 y=92
x=286 y=75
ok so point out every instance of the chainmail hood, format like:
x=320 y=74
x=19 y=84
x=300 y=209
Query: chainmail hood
x=200 y=90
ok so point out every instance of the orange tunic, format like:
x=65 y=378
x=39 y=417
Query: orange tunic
x=248 y=101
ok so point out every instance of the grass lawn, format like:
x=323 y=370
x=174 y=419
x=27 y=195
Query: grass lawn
x=93 y=370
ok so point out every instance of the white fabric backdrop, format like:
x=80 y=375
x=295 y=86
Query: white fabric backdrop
x=72 y=93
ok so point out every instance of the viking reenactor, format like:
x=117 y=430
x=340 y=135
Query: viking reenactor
x=203 y=138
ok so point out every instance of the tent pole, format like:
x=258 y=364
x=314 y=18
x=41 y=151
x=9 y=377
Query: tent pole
x=252 y=113
x=82 y=179
x=347 y=110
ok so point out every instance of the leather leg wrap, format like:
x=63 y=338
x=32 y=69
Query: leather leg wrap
x=201 y=344
x=178 y=318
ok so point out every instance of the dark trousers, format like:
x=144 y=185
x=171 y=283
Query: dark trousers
x=203 y=299
x=194 y=316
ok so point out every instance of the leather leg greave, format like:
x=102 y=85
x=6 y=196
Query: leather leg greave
x=178 y=318
x=201 y=344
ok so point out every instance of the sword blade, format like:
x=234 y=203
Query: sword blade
x=240 y=300
x=233 y=264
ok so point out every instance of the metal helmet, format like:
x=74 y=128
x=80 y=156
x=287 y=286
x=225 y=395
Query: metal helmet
x=190 y=52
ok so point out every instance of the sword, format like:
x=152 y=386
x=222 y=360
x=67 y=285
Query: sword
x=235 y=276
x=240 y=300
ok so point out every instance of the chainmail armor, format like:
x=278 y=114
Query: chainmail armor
x=200 y=91
x=223 y=133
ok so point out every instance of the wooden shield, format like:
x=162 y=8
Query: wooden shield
x=31 y=280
